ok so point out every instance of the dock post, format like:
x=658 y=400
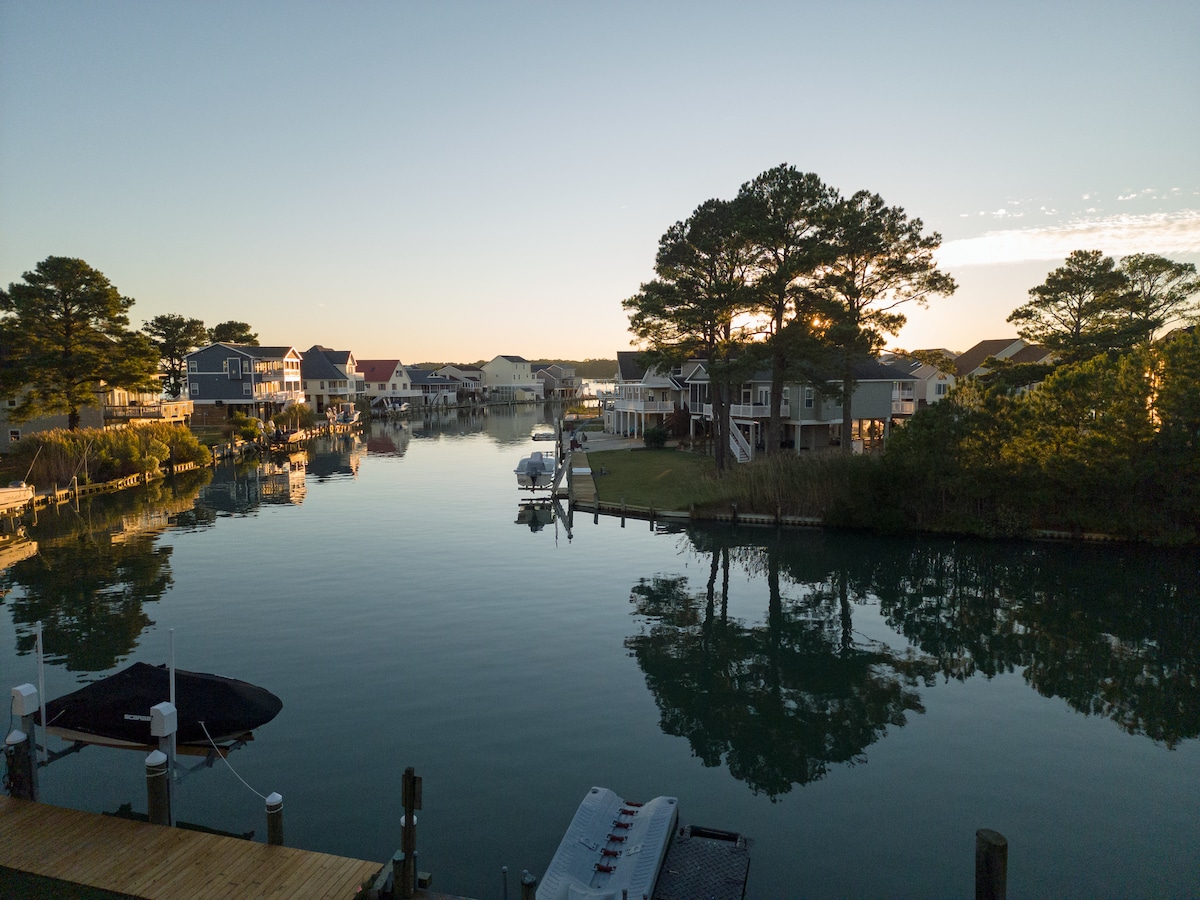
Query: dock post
x=991 y=865
x=406 y=878
x=652 y=518
x=275 y=819
x=20 y=747
x=622 y=512
x=528 y=885
x=158 y=792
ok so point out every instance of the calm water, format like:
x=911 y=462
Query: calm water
x=858 y=706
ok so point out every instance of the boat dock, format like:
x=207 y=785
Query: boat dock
x=157 y=863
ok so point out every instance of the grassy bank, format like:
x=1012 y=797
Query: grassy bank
x=819 y=485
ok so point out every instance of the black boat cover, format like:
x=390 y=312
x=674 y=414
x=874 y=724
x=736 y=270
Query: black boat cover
x=118 y=707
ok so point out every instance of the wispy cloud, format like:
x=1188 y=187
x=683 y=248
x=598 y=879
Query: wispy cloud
x=1170 y=234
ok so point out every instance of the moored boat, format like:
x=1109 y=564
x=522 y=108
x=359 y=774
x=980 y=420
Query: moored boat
x=535 y=471
x=15 y=497
x=115 y=711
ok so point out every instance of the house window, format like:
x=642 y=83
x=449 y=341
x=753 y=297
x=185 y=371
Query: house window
x=941 y=389
x=12 y=403
x=808 y=398
x=14 y=435
x=322 y=385
x=193 y=389
x=246 y=389
x=193 y=365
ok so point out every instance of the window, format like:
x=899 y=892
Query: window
x=11 y=403
x=942 y=389
x=322 y=385
x=14 y=435
x=193 y=389
x=246 y=389
x=193 y=365
x=809 y=399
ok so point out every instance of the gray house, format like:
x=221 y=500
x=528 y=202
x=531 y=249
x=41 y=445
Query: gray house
x=258 y=381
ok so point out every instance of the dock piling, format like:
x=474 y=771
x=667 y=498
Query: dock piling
x=275 y=819
x=528 y=885
x=20 y=747
x=158 y=792
x=991 y=865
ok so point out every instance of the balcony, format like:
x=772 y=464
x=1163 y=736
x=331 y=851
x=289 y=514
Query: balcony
x=754 y=411
x=166 y=411
x=624 y=404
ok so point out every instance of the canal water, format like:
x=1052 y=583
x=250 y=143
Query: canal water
x=857 y=705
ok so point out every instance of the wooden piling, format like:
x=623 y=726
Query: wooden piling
x=528 y=885
x=991 y=865
x=22 y=765
x=275 y=819
x=158 y=789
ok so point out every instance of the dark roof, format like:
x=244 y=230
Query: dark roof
x=972 y=359
x=316 y=364
x=873 y=370
x=629 y=365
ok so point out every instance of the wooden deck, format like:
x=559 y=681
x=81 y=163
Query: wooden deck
x=153 y=862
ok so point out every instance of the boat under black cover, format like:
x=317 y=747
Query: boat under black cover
x=116 y=710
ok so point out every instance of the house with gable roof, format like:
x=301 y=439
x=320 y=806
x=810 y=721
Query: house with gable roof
x=258 y=381
x=387 y=382
x=330 y=377
x=510 y=378
x=971 y=363
x=641 y=398
x=469 y=378
x=930 y=383
x=559 y=382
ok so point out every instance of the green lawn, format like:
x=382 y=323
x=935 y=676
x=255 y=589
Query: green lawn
x=662 y=479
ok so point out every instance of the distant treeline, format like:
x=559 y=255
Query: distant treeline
x=589 y=368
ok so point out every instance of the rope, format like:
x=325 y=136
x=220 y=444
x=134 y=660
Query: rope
x=231 y=768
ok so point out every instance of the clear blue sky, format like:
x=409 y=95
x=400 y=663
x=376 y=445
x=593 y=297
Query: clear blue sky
x=455 y=180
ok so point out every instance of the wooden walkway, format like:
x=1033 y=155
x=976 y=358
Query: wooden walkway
x=158 y=863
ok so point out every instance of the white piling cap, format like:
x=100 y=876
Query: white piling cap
x=16 y=736
x=156 y=758
x=24 y=700
x=274 y=799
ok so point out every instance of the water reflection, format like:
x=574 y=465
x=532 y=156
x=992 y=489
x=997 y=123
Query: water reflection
x=94 y=570
x=777 y=702
x=781 y=699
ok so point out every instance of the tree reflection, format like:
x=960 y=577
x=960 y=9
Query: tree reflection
x=94 y=571
x=778 y=702
x=1112 y=634
x=782 y=699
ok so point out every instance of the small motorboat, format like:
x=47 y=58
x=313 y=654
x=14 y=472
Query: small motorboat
x=115 y=711
x=535 y=471
x=15 y=497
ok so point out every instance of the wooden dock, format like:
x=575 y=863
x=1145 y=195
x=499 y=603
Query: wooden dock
x=157 y=863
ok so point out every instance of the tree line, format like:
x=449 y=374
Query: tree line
x=792 y=275
x=64 y=330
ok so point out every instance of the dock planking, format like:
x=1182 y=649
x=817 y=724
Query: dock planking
x=156 y=863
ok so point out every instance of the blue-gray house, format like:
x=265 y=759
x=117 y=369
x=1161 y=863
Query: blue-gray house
x=258 y=381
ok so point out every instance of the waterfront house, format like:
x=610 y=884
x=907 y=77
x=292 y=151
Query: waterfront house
x=330 y=377
x=642 y=398
x=433 y=389
x=559 y=382
x=510 y=378
x=114 y=408
x=970 y=364
x=258 y=381
x=387 y=383
x=930 y=384
x=469 y=378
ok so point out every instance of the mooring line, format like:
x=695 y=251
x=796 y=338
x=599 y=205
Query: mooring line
x=225 y=760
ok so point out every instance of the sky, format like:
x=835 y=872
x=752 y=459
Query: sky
x=454 y=180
